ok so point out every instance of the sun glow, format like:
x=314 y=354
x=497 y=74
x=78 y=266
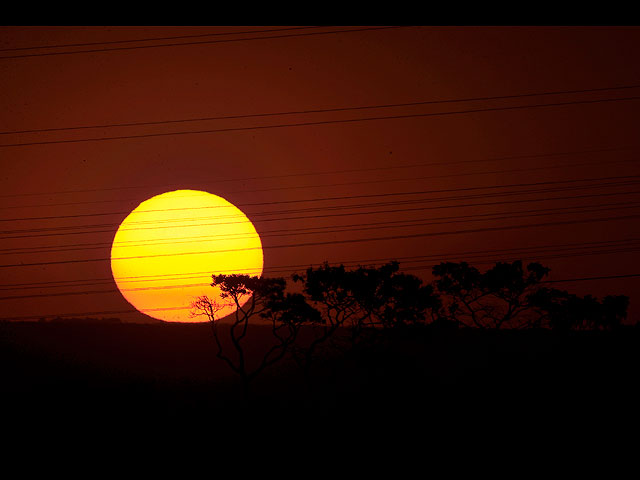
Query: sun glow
x=165 y=251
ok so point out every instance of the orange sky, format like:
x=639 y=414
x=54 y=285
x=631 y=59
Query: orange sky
x=255 y=168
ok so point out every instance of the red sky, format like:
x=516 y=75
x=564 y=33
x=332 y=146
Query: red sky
x=587 y=144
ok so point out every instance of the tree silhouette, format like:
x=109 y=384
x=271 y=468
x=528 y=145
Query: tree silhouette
x=561 y=310
x=389 y=299
x=361 y=302
x=328 y=289
x=494 y=299
x=613 y=311
x=285 y=312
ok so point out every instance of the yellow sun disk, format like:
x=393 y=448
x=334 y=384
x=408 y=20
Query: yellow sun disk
x=165 y=251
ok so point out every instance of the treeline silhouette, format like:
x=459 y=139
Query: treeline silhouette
x=332 y=310
x=338 y=346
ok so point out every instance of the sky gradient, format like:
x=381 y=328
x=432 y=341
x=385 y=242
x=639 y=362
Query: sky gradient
x=459 y=160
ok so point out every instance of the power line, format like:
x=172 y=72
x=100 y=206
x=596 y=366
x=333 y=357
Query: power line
x=123 y=312
x=315 y=174
x=306 y=217
x=153 y=39
x=493 y=261
x=481 y=260
x=169 y=287
x=322 y=216
x=335 y=228
x=319 y=230
x=607 y=277
x=409 y=268
x=323 y=110
x=431 y=177
x=80 y=314
x=322 y=122
x=108 y=312
x=490 y=262
x=630 y=244
x=343 y=241
x=164 y=277
x=203 y=42
x=345 y=197
x=387 y=204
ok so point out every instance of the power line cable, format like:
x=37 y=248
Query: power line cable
x=303 y=217
x=322 y=110
x=153 y=39
x=334 y=228
x=432 y=177
x=414 y=178
x=80 y=314
x=493 y=261
x=483 y=260
x=164 y=276
x=169 y=287
x=321 y=216
x=604 y=277
x=320 y=122
x=315 y=230
x=342 y=241
x=629 y=244
x=317 y=173
x=107 y=312
x=180 y=221
x=203 y=42
x=627 y=180
x=129 y=311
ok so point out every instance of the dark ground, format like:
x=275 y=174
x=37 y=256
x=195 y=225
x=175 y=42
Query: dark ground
x=423 y=380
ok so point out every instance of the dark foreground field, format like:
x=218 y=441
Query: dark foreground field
x=104 y=373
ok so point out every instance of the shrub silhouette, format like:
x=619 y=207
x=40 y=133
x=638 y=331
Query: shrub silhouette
x=561 y=310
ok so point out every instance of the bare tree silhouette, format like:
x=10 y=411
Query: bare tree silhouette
x=285 y=313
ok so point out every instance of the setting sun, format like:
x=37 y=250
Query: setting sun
x=165 y=251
